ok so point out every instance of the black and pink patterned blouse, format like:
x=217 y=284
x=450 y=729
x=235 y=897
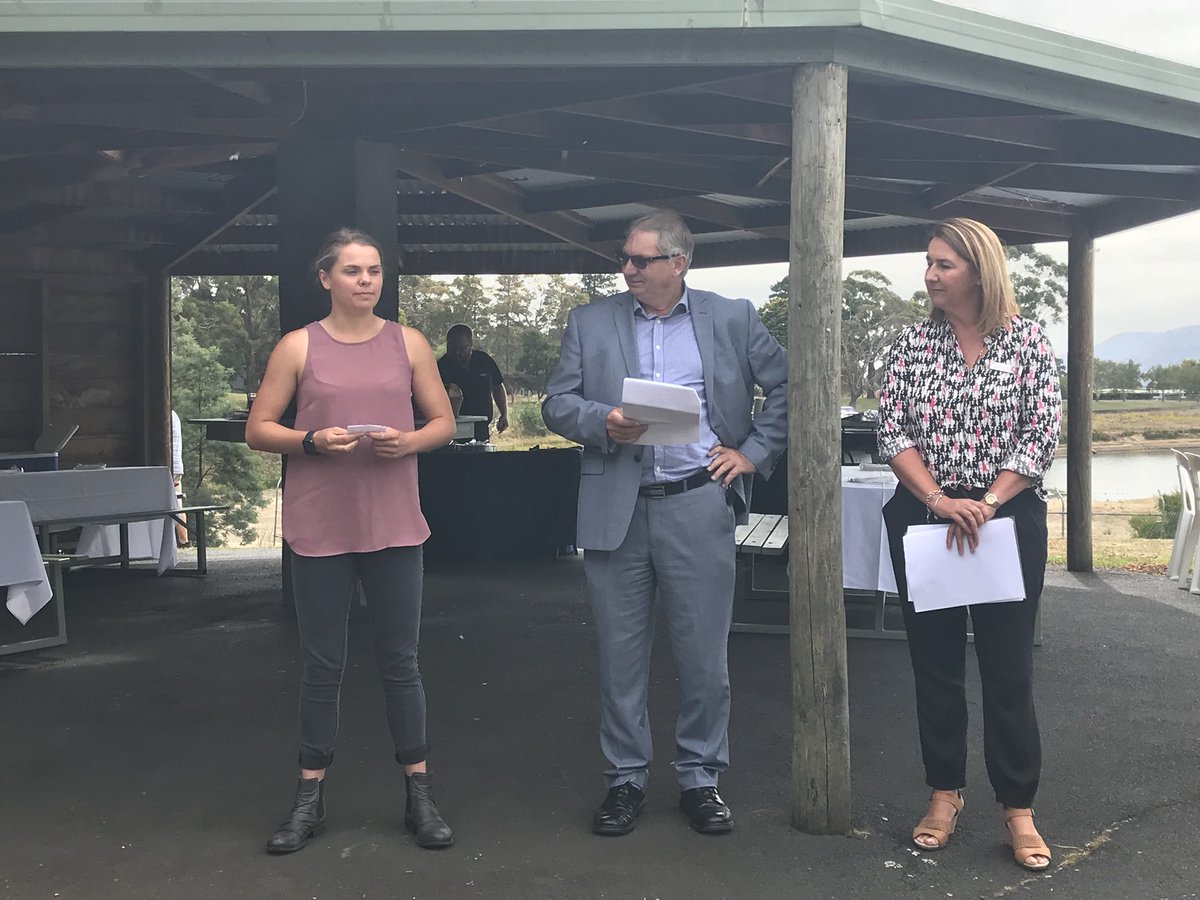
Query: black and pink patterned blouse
x=1004 y=412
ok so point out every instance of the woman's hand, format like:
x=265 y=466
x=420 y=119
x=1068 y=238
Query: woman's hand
x=329 y=441
x=965 y=515
x=390 y=443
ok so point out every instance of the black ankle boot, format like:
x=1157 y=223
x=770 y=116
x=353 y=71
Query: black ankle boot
x=307 y=818
x=421 y=816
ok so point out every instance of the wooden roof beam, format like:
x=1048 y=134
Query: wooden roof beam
x=502 y=196
x=1049 y=225
x=257 y=182
x=577 y=132
x=942 y=194
x=588 y=196
x=253 y=91
x=684 y=177
x=22 y=176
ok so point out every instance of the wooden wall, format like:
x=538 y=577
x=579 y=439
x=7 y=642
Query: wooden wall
x=78 y=348
x=22 y=357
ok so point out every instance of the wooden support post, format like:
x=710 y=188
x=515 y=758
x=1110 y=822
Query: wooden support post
x=323 y=185
x=1080 y=340
x=820 y=708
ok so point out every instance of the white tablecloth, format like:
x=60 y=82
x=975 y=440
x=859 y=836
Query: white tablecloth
x=866 y=563
x=21 y=569
x=76 y=493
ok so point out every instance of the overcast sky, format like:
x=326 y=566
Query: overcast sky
x=1147 y=279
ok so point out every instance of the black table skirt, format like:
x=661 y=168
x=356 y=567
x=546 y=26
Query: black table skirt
x=499 y=504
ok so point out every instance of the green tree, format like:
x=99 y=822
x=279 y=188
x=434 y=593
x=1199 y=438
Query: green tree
x=559 y=296
x=597 y=284
x=1039 y=281
x=423 y=302
x=214 y=471
x=774 y=313
x=510 y=314
x=1109 y=375
x=1183 y=376
x=467 y=302
x=238 y=316
x=538 y=355
x=872 y=315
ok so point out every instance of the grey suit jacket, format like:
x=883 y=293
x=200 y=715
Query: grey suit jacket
x=599 y=349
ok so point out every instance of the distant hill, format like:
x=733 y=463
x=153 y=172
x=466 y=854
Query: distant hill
x=1147 y=349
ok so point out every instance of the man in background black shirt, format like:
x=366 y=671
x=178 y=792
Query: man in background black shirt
x=477 y=376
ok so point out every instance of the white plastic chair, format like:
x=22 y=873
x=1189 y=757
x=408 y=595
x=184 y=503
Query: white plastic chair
x=1191 y=487
x=1187 y=513
x=1194 y=556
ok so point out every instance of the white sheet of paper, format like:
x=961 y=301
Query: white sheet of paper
x=671 y=411
x=939 y=578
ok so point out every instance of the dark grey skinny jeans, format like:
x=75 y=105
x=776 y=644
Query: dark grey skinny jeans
x=324 y=589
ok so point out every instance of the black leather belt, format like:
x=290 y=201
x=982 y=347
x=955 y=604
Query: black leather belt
x=670 y=488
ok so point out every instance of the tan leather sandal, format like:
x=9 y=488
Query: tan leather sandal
x=937 y=827
x=1025 y=846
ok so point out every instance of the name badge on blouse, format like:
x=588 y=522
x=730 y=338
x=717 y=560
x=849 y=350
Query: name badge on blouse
x=998 y=366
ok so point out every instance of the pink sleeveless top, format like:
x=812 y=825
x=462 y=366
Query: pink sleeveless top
x=355 y=502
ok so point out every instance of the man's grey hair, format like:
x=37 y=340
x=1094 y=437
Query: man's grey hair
x=674 y=237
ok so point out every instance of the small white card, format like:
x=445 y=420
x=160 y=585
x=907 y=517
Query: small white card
x=998 y=366
x=364 y=429
x=671 y=411
x=939 y=578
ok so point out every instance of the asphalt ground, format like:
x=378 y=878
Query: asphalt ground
x=153 y=755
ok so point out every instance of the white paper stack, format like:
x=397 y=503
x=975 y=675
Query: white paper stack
x=939 y=578
x=671 y=411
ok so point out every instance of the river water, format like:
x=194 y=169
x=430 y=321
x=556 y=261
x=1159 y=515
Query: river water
x=1123 y=476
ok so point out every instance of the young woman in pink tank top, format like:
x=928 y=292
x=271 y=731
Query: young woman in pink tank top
x=351 y=513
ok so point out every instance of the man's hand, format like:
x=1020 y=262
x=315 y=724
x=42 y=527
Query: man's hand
x=622 y=430
x=726 y=464
x=502 y=422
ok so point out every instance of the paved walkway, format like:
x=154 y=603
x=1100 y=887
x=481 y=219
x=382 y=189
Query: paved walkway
x=153 y=755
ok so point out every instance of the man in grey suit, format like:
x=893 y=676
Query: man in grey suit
x=660 y=519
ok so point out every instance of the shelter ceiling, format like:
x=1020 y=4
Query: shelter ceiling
x=527 y=169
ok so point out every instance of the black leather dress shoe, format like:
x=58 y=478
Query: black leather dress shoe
x=706 y=811
x=620 y=809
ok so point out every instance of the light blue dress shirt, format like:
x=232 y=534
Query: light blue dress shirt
x=668 y=352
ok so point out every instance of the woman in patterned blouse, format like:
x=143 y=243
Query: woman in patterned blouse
x=969 y=420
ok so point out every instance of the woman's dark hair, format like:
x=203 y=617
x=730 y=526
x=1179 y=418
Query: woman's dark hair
x=335 y=241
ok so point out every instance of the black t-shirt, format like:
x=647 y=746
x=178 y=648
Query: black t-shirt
x=476 y=382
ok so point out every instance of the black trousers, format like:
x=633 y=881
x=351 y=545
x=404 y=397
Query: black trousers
x=1003 y=647
x=324 y=587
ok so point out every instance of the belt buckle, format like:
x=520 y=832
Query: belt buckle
x=654 y=490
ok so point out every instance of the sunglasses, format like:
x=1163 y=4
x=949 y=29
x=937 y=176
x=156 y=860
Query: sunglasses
x=640 y=262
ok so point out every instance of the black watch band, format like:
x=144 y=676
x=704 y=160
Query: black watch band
x=310 y=447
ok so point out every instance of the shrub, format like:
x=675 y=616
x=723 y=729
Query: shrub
x=1162 y=525
x=527 y=418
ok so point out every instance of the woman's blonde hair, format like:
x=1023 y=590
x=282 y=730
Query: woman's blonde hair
x=983 y=251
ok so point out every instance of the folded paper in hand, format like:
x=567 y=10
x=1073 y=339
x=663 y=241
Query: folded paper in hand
x=939 y=578
x=671 y=411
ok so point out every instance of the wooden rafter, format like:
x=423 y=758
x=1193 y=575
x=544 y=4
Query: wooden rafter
x=503 y=197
